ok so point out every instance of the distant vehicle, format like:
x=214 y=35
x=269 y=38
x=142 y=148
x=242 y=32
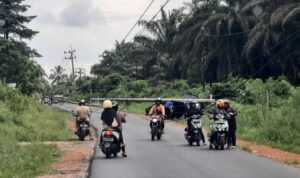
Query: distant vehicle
x=83 y=130
x=193 y=134
x=57 y=98
x=156 y=127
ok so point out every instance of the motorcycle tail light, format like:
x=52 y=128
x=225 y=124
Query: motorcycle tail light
x=108 y=133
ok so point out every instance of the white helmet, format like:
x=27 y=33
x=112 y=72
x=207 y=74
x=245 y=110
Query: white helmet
x=107 y=104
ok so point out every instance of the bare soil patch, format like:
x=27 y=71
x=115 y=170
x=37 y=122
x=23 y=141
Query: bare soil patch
x=75 y=161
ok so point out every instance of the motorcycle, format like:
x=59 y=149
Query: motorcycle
x=110 y=144
x=218 y=137
x=83 y=130
x=193 y=134
x=156 y=127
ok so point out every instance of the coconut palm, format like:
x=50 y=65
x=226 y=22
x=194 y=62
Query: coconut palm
x=58 y=76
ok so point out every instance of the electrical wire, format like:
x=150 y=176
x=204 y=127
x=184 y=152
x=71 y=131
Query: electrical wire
x=132 y=28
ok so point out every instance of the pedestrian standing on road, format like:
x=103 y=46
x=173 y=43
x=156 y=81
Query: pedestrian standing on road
x=169 y=109
x=231 y=122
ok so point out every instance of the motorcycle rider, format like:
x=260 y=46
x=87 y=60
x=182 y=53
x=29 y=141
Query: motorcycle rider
x=108 y=118
x=82 y=112
x=193 y=110
x=231 y=122
x=218 y=110
x=158 y=109
x=120 y=117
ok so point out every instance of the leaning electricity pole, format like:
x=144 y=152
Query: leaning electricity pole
x=80 y=71
x=72 y=56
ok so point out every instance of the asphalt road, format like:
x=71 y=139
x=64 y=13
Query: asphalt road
x=173 y=158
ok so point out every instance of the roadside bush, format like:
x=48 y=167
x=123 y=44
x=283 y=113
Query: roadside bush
x=180 y=85
x=280 y=87
x=224 y=90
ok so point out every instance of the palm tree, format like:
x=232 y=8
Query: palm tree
x=58 y=75
x=162 y=33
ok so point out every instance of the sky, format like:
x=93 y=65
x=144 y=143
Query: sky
x=89 y=26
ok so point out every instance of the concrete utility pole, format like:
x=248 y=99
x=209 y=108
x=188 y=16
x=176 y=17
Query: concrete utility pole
x=72 y=57
x=80 y=71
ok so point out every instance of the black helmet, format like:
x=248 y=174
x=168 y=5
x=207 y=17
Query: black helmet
x=226 y=103
x=158 y=100
x=193 y=103
x=81 y=102
x=115 y=105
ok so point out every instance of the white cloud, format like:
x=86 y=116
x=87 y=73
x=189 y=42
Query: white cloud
x=81 y=13
x=91 y=26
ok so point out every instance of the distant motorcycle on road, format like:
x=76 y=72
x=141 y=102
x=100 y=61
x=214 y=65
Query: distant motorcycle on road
x=156 y=127
x=83 y=130
x=193 y=134
x=218 y=137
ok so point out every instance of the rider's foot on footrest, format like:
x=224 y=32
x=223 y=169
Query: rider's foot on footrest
x=124 y=154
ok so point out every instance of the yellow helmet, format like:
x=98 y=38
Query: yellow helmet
x=107 y=104
x=220 y=104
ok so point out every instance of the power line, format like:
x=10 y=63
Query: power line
x=132 y=28
x=144 y=27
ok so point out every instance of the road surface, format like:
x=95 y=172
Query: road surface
x=173 y=158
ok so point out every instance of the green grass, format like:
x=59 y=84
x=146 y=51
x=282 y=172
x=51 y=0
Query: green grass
x=22 y=120
x=138 y=108
x=26 y=161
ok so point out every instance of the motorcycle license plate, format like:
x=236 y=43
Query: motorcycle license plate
x=107 y=139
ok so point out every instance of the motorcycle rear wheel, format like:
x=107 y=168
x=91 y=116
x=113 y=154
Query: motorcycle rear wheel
x=152 y=137
x=81 y=135
x=222 y=143
x=107 y=153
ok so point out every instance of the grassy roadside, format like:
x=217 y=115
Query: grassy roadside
x=22 y=120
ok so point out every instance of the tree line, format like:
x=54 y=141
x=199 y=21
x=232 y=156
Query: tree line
x=218 y=39
x=16 y=64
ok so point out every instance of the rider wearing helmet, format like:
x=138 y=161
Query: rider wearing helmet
x=212 y=115
x=82 y=114
x=108 y=117
x=219 y=109
x=193 y=110
x=231 y=122
x=158 y=109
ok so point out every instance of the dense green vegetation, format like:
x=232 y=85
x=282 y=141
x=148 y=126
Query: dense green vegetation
x=16 y=64
x=219 y=39
x=22 y=120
